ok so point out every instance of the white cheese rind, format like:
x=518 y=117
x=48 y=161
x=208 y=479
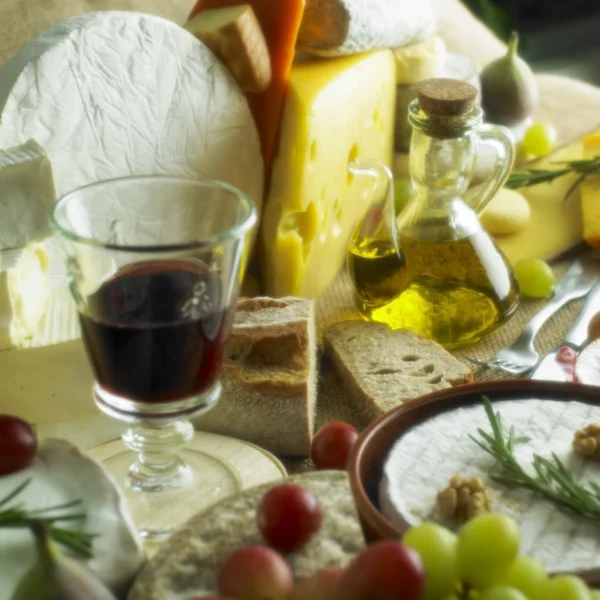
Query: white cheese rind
x=377 y=24
x=115 y=94
x=26 y=194
x=424 y=459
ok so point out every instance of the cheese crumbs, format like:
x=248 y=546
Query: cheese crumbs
x=586 y=441
x=463 y=499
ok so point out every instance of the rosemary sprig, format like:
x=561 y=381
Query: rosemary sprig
x=17 y=516
x=552 y=480
x=527 y=177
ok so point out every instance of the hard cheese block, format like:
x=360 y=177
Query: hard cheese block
x=550 y=212
x=590 y=195
x=280 y=23
x=27 y=192
x=186 y=565
x=115 y=94
x=336 y=110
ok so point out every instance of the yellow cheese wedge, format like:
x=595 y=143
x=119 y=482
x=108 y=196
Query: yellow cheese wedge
x=419 y=61
x=506 y=213
x=590 y=195
x=336 y=110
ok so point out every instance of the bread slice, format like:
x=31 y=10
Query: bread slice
x=269 y=376
x=380 y=368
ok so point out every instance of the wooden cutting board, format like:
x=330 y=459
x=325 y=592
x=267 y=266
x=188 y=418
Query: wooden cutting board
x=555 y=226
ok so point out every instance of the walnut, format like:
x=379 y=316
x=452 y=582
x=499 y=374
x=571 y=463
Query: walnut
x=463 y=499
x=586 y=441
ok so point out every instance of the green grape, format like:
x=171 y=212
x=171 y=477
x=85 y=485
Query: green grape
x=565 y=587
x=539 y=139
x=595 y=595
x=487 y=545
x=502 y=592
x=536 y=278
x=526 y=574
x=437 y=547
x=403 y=192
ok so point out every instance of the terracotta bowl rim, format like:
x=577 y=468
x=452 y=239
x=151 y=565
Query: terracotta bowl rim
x=368 y=511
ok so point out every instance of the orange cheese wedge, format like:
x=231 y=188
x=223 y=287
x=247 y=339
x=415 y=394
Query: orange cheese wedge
x=590 y=195
x=280 y=22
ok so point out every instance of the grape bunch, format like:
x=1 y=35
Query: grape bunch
x=481 y=562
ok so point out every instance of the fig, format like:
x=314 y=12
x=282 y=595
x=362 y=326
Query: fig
x=57 y=577
x=509 y=90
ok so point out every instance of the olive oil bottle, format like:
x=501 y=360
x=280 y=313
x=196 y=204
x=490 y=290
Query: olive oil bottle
x=435 y=271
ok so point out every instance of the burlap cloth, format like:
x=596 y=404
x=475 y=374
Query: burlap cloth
x=572 y=106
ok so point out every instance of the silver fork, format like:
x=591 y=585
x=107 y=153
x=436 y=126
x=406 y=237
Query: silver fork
x=521 y=356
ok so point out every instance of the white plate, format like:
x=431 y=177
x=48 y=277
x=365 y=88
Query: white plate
x=61 y=473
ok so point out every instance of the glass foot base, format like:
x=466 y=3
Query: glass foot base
x=203 y=479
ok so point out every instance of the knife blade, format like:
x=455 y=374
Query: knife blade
x=559 y=364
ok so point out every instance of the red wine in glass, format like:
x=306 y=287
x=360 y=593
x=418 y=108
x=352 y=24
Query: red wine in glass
x=156 y=331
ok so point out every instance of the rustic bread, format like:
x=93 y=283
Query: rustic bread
x=269 y=376
x=185 y=566
x=380 y=368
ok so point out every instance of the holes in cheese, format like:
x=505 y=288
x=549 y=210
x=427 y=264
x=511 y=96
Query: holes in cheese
x=305 y=224
x=330 y=104
x=353 y=155
x=234 y=35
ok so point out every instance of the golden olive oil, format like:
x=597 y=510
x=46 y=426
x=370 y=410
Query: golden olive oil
x=449 y=290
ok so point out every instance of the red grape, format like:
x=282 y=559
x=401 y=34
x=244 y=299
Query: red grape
x=255 y=573
x=331 y=446
x=18 y=444
x=288 y=516
x=383 y=571
x=321 y=586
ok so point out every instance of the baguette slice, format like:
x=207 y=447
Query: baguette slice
x=234 y=35
x=269 y=380
x=344 y=27
x=380 y=368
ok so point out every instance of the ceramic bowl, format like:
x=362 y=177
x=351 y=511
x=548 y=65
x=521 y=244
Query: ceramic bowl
x=372 y=448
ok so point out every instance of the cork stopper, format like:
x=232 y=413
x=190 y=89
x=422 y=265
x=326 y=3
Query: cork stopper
x=446 y=97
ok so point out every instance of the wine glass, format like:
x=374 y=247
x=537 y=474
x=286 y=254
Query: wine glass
x=155 y=266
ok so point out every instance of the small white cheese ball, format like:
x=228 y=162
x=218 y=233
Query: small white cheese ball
x=507 y=212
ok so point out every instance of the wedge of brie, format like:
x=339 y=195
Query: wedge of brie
x=26 y=194
x=24 y=294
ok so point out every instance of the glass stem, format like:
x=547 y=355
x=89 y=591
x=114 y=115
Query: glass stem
x=158 y=466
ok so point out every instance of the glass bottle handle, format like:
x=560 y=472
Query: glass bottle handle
x=500 y=138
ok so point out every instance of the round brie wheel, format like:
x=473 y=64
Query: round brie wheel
x=507 y=212
x=116 y=93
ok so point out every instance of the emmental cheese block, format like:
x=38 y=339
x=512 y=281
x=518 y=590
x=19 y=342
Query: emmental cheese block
x=336 y=110
x=590 y=195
